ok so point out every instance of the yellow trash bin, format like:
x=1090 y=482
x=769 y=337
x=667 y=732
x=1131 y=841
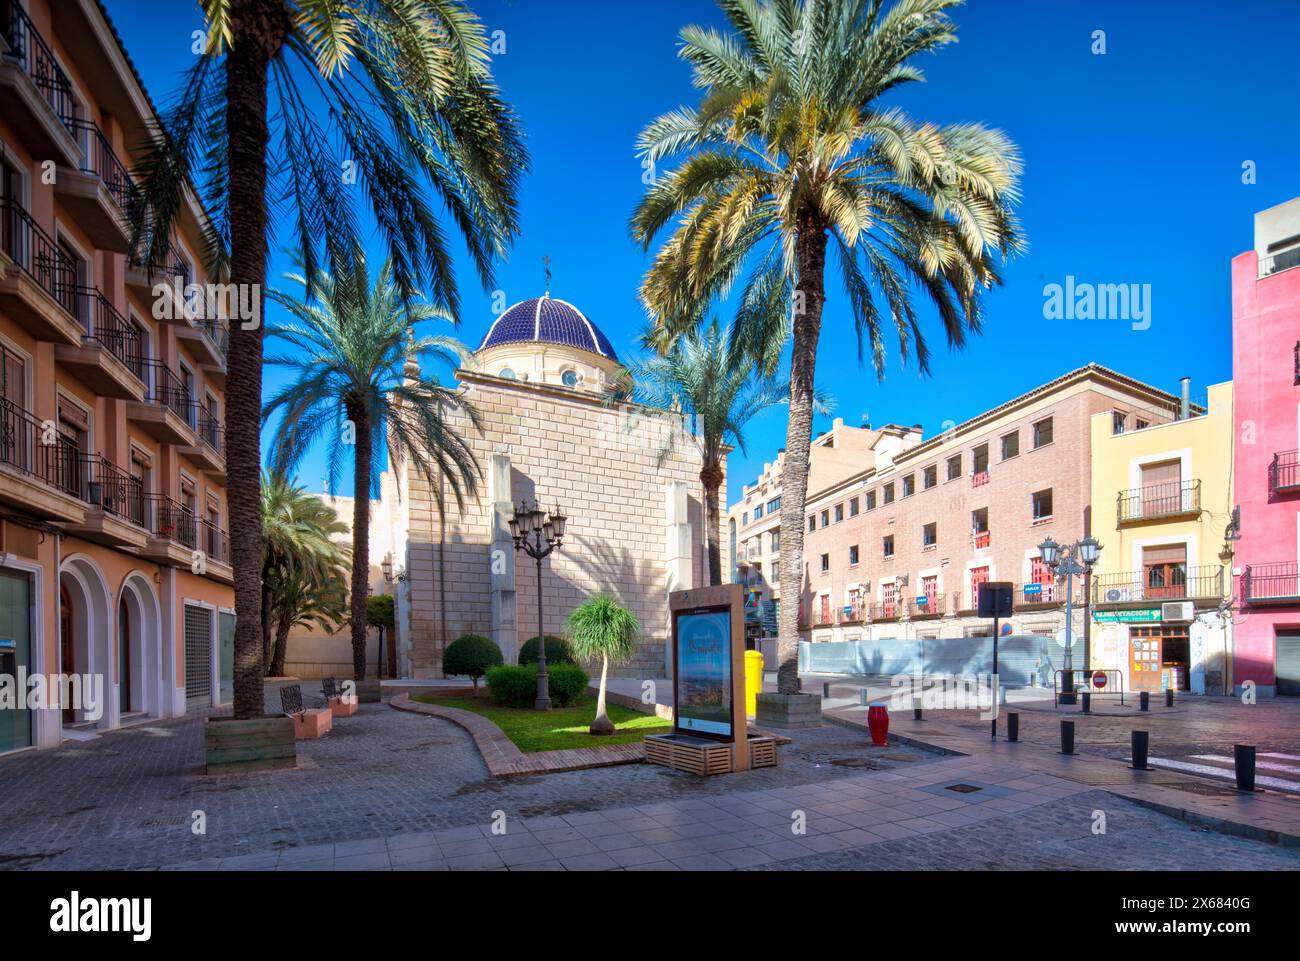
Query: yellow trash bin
x=753 y=680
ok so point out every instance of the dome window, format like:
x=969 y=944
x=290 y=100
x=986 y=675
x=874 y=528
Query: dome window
x=508 y=373
x=570 y=378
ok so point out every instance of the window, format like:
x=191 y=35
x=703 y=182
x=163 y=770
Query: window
x=930 y=476
x=570 y=378
x=744 y=519
x=979 y=526
x=981 y=459
x=826 y=563
x=776 y=541
x=826 y=518
x=774 y=505
x=853 y=507
x=1041 y=574
x=1043 y=432
x=853 y=555
x=1118 y=422
x=507 y=373
x=871 y=500
x=979 y=576
x=839 y=513
x=1042 y=502
x=930 y=535
x=758 y=511
x=1010 y=444
x=812 y=523
x=954 y=466
x=889 y=545
x=889 y=493
x=1165 y=571
x=909 y=485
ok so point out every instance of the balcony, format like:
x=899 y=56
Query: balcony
x=37 y=478
x=36 y=278
x=932 y=607
x=981 y=540
x=115 y=513
x=890 y=610
x=1038 y=596
x=207 y=454
x=142 y=275
x=108 y=358
x=979 y=478
x=1279 y=583
x=166 y=413
x=35 y=93
x=209 y=340
x=1284 y=473
x=1159 y=502
x=98 y=191
x=853 y=613
x=1153 y=586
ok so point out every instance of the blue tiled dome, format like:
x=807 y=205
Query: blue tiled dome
x=548 y=321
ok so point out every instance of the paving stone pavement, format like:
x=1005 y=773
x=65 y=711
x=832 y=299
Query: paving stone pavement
x=125 y=800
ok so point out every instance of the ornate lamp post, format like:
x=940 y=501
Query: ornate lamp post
x=1067 y=561
x=537 y=535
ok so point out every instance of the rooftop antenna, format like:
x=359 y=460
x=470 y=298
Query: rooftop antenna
x=546 y=264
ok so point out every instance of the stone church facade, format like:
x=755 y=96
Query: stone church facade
x=538 y=381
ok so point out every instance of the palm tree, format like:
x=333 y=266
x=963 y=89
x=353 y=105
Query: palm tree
x=298 y=546
x=308 y=597
x=386 y=104
x=791 y=151
x=709 y=379
x=601 y=627
x=357 y=381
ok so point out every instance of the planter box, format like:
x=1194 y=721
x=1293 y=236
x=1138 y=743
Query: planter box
x=369 y=691
x=237 y=746
x=789 y=711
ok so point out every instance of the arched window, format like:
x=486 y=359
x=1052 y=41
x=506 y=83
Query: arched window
x=507 y=373
x=570 y=378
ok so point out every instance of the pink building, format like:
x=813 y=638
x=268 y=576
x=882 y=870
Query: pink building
x=1266 y=372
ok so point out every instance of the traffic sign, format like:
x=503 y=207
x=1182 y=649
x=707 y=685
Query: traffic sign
x=1099 y=680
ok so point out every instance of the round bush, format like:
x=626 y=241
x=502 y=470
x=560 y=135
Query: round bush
x=472 y=655
x=558 y=651
x=516 y=685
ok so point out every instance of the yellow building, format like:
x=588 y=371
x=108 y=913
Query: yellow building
x=114 y=561
x=1161 y=504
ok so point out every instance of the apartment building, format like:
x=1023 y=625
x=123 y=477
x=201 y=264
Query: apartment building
x=1162 y=502
x=754 y=522
x=1266 y=454
x=114 y=563
x=900 y=549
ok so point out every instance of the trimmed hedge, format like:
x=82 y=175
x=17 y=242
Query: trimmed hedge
x=558 y=651
x=472 y=655
x=516 y=685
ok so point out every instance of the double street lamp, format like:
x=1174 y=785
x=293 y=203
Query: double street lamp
x=537 y=535
x=1067 y=561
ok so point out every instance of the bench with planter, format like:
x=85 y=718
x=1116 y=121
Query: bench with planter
x=340 y=704
x=308 y=722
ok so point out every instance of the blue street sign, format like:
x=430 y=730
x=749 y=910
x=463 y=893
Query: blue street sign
x=1033 y=588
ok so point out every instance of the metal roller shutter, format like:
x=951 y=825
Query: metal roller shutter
x=198 y=657
x=1288 y=663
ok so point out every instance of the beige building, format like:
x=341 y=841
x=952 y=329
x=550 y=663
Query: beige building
x=624 y=476
x=900 y=549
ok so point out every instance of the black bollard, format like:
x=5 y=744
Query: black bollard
x=1169 y=697
x=1085 y=702
x=862 y=696
x=1067 y=737
x=1141 y=744
x=1144 y=701
x=916 y=710
x=1244 y=761
x=1013 y=726
x=826 y=690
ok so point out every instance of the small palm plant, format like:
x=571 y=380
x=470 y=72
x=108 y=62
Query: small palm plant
x=601 y=627
x=357 y=383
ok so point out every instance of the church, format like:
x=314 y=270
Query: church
x=625 y=476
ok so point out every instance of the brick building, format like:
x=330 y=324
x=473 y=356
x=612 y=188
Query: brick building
x=625 y=476
x=900 y=548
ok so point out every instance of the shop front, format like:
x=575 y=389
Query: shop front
x=1156 y=655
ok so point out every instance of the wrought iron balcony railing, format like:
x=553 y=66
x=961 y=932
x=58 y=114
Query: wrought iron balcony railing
x=1159 y=500
x=1284 y=473
x=28 y=48
x=1166 y=582
x=112 y=490
x=100 y=159
x=32 y=249
x=106 y=327
x=1277 y=583
x=24 y=448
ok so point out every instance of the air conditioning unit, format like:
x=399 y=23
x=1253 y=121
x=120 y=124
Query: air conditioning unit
x=1177 y=611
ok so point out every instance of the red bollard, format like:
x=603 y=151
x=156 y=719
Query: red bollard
x=878 y=724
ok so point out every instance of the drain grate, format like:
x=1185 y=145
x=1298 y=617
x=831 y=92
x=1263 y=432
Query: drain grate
x=963 y=788
x=169 y=821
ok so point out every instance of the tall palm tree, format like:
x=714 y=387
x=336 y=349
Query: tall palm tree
x=712 y=381
x=791 y=151
x=601 y=627
x=357 y=382
x=298 y=548
x=369 y=104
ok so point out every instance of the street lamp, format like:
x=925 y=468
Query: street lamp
x=537 y=535
x=1067 y=561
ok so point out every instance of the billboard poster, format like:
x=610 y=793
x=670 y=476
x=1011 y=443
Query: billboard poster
x=703 y=672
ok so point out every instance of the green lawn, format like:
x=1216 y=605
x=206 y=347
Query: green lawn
x=558 y=729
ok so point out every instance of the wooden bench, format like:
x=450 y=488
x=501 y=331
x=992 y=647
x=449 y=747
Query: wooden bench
x=340 y=704
x=308 y=722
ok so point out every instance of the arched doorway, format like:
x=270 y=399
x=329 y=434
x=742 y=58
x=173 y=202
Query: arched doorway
x=143 y=684
x=67 y=644
x=86 y=627
x=125 y=646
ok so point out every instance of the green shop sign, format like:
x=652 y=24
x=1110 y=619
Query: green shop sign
x=1144 y=615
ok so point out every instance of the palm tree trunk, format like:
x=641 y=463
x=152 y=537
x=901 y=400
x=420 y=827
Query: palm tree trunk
x=711 y=477
x=257 y=31
x=281 y=646
x=602 y=724
x=266 y=624
x=810 y=259
x=360 y=537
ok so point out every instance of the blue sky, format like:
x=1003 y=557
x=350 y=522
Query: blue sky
x=1133 y=174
